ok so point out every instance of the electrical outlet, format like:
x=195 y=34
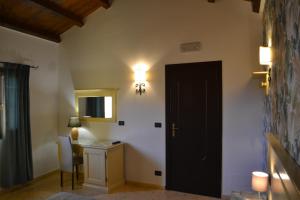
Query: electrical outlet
x=157 y=125
x=157 y=173
x=121 y=123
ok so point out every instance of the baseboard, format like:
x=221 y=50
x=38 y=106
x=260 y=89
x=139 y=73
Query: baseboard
x=45 y=175
x=154 y=186
x=115 y=185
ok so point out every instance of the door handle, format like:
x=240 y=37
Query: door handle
x=174 y=129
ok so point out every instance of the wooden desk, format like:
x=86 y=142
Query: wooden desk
x=103 y=164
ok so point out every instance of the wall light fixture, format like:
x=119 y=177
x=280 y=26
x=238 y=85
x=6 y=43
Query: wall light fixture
x=265 y=55
x=265 y=58
x=140 y=78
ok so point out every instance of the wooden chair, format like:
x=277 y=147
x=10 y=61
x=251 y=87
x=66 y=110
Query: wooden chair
x=68 y=160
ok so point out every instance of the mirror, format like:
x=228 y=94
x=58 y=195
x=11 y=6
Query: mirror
x=96 y=105
x=99 y=107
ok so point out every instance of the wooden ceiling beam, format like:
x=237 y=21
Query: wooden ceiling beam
x=105 y=3
x=60 y=11
x=256 y=5
x=18 y=26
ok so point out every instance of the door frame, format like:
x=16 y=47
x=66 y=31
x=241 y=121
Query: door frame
x=167 y=136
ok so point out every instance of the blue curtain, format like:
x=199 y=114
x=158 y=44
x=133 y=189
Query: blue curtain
x=15 y=146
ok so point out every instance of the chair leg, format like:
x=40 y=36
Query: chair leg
x=73 y=178
x=77 y=173
x=61 y=178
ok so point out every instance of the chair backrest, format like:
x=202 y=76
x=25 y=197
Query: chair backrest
x=65 y=153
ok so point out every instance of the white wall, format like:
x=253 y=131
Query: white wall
x=101 y=55
x=21 y=48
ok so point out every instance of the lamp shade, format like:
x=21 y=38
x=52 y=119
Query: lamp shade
x=276 y=184
x=265 y=55
x=74 y=122
x=140 y=73
x=260 y=181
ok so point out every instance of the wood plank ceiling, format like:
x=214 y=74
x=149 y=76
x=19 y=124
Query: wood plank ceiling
x=48 y=19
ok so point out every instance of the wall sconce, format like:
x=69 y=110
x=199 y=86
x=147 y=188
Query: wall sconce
x=140 y=78
x=265 y=55
x=265 y=58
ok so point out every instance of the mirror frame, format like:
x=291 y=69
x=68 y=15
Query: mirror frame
x=97 y=93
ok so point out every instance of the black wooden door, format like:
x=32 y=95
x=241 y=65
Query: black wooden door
x=194 y=128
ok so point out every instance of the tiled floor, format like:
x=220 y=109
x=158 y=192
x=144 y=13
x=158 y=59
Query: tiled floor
x=42 y=188
x=152 y=195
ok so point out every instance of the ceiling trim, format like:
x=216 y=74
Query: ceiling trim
x=60 y=11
